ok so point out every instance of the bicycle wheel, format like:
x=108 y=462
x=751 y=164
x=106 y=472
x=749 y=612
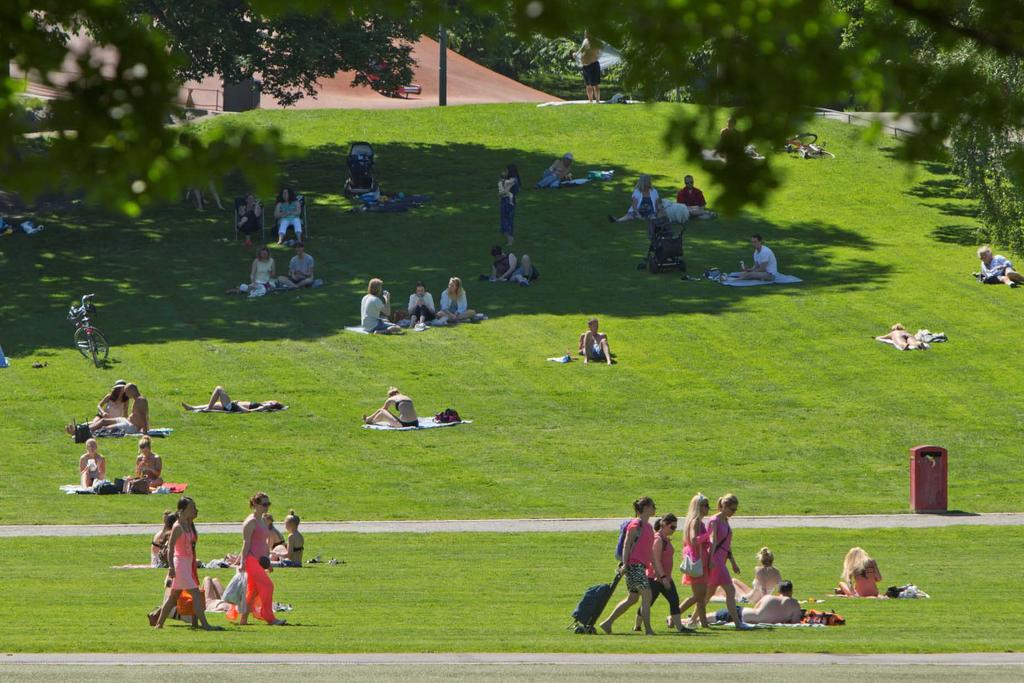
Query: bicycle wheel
x=91 y=343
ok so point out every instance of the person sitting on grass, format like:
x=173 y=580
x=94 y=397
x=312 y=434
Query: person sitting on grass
x=454 y=303
x=766 y=580
x=137 y=421
x=771 y=609
x=421 y=307
x=375 y=309
x=505 y=268
x=220 y=402
x=594 y=344
x=644 y=202
x=288 y=212
x=637 y=549
x=765 y=266
x=290 y=553
x=559 y=172
x=300 y=269
x=148 y=473
x=403 y=406
x=249 y=218
x=276 y=538
x=693 y=199
x=902 y=339
x=92 y=466
x=115 y=403
x=996 y=269
x=262 y=273
x=860 y=575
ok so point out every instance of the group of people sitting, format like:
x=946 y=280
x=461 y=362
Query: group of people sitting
x=648 y=561
x=147 y=476
x=122 y=408
x=646 y=203
x=263 y=277
x=377 y=316
x=287 y=213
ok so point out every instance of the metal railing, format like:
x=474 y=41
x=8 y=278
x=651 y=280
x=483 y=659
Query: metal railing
x=853 y=118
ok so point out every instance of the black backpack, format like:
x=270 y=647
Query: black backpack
x=82 y=433
x=447 y=415
x=593 y=602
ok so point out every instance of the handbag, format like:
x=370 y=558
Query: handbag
x=692 y=567
x=235 y=590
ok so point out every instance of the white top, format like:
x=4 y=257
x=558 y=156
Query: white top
x=638 y=197
x=371 y=310
x=460 y=306
x=766 y=257
x=263 y=270
x=428 y=301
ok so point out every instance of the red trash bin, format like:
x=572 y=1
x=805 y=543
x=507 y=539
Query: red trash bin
x=928 y=479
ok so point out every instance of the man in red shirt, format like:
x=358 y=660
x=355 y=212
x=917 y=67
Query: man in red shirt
x=693 y=198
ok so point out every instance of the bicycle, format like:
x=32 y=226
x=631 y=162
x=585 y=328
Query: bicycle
x=805 y=144
x=89 y=341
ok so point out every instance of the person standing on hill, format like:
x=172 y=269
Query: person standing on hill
x=508 y=188
x=588 y=55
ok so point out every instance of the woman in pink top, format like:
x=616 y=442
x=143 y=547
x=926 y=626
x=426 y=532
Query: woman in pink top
x=254 y=561
x=721 y=550
x=860 y=575
x=696 y=547
x=636 y=551
x=659 y=571
x=181 y=573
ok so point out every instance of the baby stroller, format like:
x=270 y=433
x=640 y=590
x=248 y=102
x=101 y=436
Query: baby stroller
x=360 y=169
x=666 y=248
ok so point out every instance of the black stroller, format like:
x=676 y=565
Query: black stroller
x=360 y=169
x=666 y=248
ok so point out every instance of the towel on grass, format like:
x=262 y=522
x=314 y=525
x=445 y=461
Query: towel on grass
x=202 y=409
x=117 y=432
x=72 y=489
x=166 y=487
x=136 y=566
x=730 y=624
x=425 y=423
x=169 y=487
x=561 y=359
x=732 y=280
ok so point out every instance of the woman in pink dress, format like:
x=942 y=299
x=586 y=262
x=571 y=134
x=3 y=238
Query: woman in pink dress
x=695 y=547
x=721 y=550
x=254 y=561
x=636 y=557
x=181 y=574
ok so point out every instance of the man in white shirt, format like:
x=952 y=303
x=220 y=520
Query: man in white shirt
x=765 y=265
x=997 y=269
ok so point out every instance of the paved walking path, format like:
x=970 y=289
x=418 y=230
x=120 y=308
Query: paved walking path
x=909 y=521
x=195 y=658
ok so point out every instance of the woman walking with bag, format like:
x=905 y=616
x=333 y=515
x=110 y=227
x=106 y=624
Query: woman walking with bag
x=253 y=562
x=181 y=574
x=695 y=559
x=636 y=554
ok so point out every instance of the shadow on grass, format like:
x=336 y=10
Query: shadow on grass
x=963 y=235
x=162 y=277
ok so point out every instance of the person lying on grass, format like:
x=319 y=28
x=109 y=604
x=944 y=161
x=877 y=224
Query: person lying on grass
x=220 y=402
x=403 y=406
x=594 y=344
x=559 y=172
x=902 y=339
x=860 y=575
x=771 y=609
x=765 y=266
x=996 y=269
x=289 y=554
x=375 y=309
x=92 y=466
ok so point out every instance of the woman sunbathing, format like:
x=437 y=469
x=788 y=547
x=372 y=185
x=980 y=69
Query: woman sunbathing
x=220 y=402
x=402 y=404
x=860 y=575
x=901 y=339
x=289 y=554
x=766 y=580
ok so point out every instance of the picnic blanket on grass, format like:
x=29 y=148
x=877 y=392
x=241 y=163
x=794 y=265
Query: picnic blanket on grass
x=117 y=432
x=425 y=423
x=732 y=280
x=166 y=487
x=136 y=566
x=394 y=204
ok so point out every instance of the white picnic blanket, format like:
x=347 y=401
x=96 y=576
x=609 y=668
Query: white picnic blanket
x=732 y=280
x=425 y=423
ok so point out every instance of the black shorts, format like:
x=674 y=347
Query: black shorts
x=592 y=73
x=991 y=279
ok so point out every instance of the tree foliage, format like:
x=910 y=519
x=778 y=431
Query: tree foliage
x=771 y=59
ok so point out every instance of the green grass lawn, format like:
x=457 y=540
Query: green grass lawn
x=776 y=393
x=510 y=593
